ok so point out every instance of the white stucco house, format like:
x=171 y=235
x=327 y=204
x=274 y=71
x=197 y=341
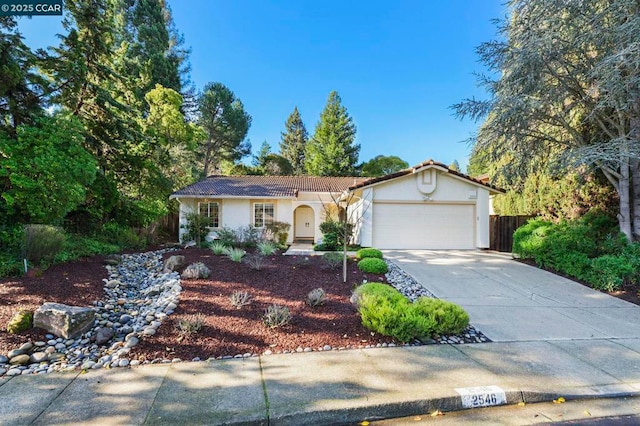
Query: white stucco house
x=428 y=206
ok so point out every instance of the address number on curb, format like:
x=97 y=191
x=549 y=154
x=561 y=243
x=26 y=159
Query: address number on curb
x=482 y=396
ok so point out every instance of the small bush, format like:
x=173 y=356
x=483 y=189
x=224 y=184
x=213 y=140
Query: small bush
x=255 y=261
x=448 y=318
x=610 y=272
x=218 y=248
x=276 y=316
x=235 y=254
x=373 y=265
x=240 y=299
x=227 y=237
x=197 y=229
x=368 y=253
x=122 y=236
x=266 y=248
x=42 y=243
x=196 y=271
x=279 y=231
x=316 y=297
x=385 y=310
x=334 y=234
x=190 y=325
x=333 y=259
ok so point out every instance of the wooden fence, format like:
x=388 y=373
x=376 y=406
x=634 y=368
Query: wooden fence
x=501 y=229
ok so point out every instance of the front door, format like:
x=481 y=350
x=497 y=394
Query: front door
x=304 y=223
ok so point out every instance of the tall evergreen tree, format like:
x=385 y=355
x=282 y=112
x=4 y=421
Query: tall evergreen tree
x=294 y=142
x=226 y=123
x=332 y=151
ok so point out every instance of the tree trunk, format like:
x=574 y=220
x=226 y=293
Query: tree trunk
x=634 y=135
x=624 y=216
x=207 y=158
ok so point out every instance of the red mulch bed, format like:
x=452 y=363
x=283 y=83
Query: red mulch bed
x=227 y=331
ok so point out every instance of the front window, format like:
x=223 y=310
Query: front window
x=263 y=214
x=210 y=212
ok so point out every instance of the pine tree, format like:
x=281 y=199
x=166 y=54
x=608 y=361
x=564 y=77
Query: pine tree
x=294 y=141
x=332 y=151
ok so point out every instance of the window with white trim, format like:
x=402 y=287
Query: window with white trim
x=210 y=213
x=263 y=214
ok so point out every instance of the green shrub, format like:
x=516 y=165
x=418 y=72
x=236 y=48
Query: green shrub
x=254 y=260
x=218 y=248
x=528 y=238
x=610 y=272
x=334 y=234
x=235 y=254
x=279 y=231
x=367 y=253
x=373 y=265
x=385 y=310
x=242 y=237
x=42 y=243
x=239 y=299
x=77 y=246
x=448 y=317
x=122 y=236
x=189 y=325
x=333 y=259
x=197 y=229
x=266 y=248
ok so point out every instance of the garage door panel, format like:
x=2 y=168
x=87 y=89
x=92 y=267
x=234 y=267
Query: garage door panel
x=424 y=226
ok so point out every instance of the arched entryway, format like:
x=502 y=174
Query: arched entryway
x=304 y=224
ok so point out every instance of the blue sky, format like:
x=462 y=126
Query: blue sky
x=398 y=66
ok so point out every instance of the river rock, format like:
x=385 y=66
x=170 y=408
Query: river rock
x=20 y=360
x=64 y=320
x=21 y=321
x=103 y=335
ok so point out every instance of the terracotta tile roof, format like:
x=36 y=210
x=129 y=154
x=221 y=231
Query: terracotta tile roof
x=427 y=163
x=265 y=186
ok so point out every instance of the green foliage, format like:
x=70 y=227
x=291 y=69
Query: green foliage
x=373 y=265
x=266 y=248
x=279 y=231
x=590 y=249
x=276 y=316
x=226 y=124
x=218 y=248
x=246 y=237
x=42 y=243
x=78 y=246
x=235 y=254
x=334 y=234
x=197 y=229
x=333 y=259
x=294 y=141
x=386 y=311
x=45 y=170
x=122 y=236
x=332 y=150
x=368 y=252
x=383 y=165
x=448 y=318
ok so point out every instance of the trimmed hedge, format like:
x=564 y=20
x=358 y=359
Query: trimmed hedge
x=385 y=310
x=373 y=265
x=591 y=249
x=368 y=252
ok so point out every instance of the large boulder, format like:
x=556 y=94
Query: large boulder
x=173 y=263
x=64 y=321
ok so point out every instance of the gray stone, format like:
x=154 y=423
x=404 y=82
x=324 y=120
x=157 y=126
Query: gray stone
x=19 y=360
x=14 y=353
x=103 y=335
x=63 y=320
x=3 y=359
x=38 y=357
x=173 y=263
x=13 y=372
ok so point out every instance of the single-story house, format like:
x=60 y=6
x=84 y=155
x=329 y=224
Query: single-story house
x=428 y=206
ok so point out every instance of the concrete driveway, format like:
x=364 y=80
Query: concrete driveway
x=509 y=301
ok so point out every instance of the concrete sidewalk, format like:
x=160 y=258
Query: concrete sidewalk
x=324 y=387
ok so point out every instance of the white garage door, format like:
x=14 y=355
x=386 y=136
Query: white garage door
x=423 y=226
